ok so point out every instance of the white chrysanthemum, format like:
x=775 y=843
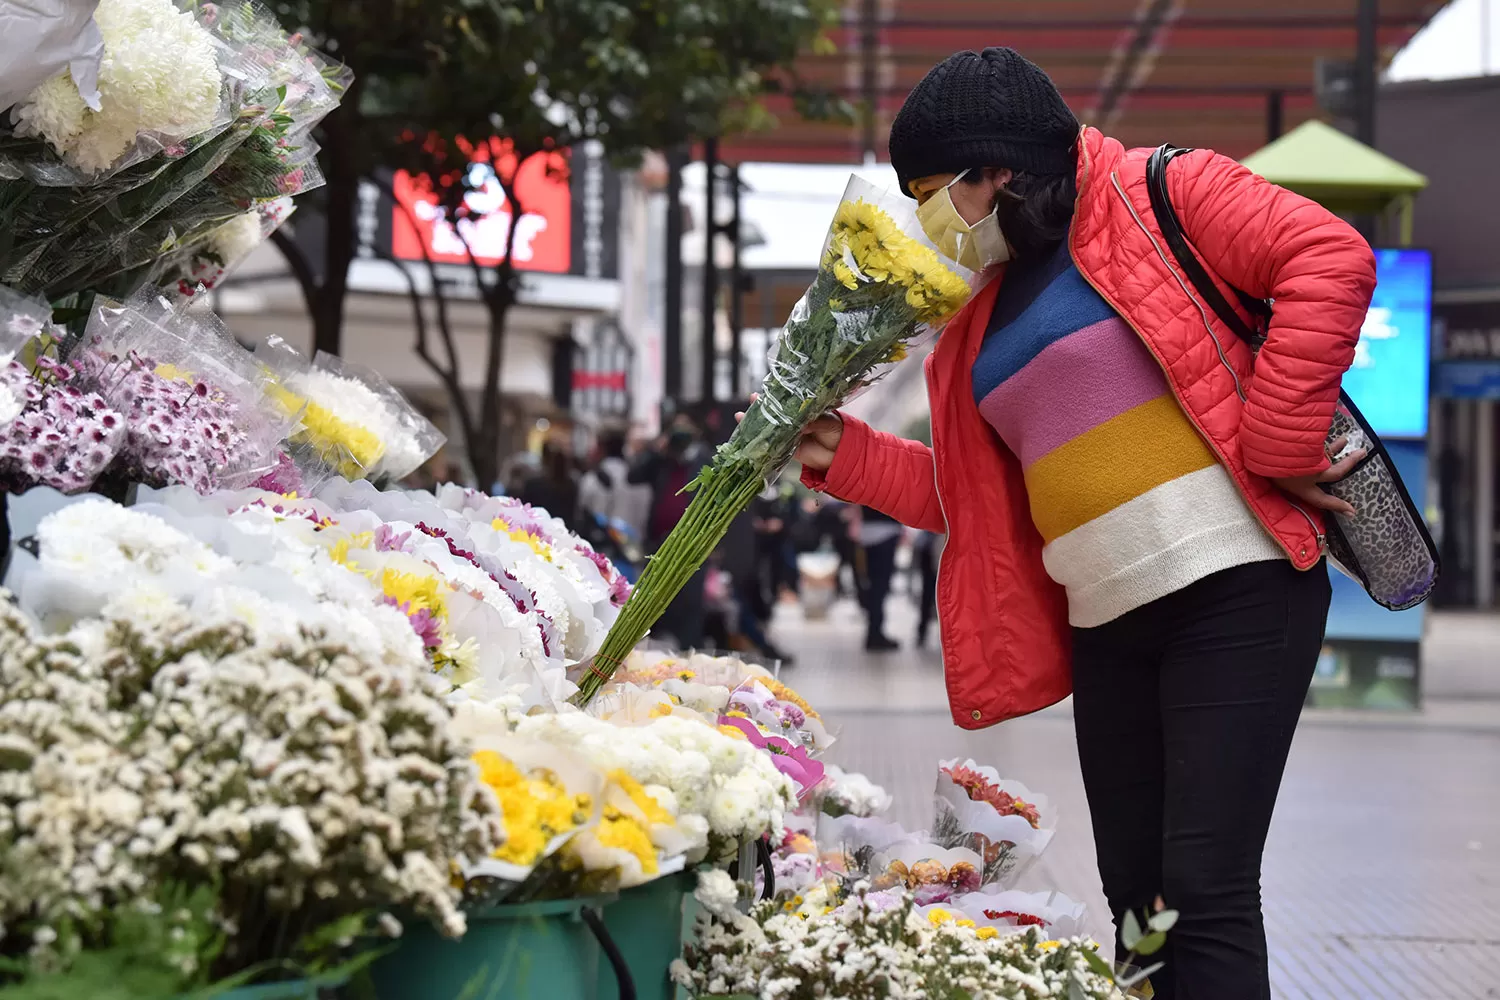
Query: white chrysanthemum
x=235 y=239
x=105 y=539
x=159 y=76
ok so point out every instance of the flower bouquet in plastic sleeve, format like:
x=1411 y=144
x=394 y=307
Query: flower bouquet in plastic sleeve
x=1000 y=818
x=53 y=431
x=192 y=418
x=202 y=112
x=878 y=289
x=352 y=421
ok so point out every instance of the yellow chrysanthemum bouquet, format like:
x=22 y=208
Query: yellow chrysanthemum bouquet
x=878 y=289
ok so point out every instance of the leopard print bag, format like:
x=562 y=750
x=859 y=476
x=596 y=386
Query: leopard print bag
x=1386 y=548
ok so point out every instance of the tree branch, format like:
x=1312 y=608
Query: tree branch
x=450 y=376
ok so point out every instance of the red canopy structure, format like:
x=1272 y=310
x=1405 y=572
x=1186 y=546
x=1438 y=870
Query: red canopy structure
x=1224 y=74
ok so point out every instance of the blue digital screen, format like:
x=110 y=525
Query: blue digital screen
x=1388 y=381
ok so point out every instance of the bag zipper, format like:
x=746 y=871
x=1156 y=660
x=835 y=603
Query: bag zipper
x=1150 y=349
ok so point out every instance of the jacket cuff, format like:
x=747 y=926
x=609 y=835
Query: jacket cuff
x=847 y=460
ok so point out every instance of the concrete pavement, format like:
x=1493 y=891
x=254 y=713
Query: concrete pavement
x=1382 y=873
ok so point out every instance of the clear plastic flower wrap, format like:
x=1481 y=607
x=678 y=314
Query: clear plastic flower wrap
x=362 y=393
x=108 y=233
x=52 y=432
x=195 y=408
x=880 y=287
x=160 y=84
x=998 y=817
x=323 y=444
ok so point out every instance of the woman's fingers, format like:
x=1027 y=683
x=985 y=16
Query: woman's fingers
x=1338 y=470
x=1314 y=496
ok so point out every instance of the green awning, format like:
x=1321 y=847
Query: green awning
x=1320 y=162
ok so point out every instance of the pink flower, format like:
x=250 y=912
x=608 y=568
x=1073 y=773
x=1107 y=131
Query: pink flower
x=792 y=761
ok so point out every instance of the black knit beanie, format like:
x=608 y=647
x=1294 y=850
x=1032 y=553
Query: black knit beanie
x=983 y=109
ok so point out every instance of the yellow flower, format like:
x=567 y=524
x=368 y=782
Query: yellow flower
x=535 y=809
x=649 y=807
x=965 y=922
x=623 y=832
x=686 y=675
x=173 y=373
x=657 y=711
x=524 y=537
x=792 y=904
x=985 y=933
x=938 y=918
x=897 y=353
x=414 y=592
x=350 y=449
x=734 y=732
x=781 y=692
x=735 y=713
x=1049 y=945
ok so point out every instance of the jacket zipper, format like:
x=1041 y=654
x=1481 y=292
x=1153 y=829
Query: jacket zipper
x=947 y=527
x=1192 y=419
x=1239 y=390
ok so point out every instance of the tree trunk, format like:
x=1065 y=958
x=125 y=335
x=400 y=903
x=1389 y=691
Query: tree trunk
x=341 y=159
x=484 y=454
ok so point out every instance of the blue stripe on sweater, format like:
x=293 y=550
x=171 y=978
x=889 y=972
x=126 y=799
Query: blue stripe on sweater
x=1066 y=305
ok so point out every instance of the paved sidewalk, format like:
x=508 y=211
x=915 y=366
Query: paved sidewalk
x=1382 y=875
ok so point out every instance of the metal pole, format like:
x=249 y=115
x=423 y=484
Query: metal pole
x=1275 y=115
x=1365 y=72
x=868 y=72
x=710 y=264
x=1484 y=503
x=736 y=289
x=672 y=332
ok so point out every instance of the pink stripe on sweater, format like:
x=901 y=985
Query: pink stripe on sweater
x=1074 y=384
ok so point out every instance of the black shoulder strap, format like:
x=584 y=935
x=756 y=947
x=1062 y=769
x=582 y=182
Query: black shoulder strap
x=1171 y=230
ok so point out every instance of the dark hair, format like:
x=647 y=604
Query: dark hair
x=1035 y=210
x=612 y=444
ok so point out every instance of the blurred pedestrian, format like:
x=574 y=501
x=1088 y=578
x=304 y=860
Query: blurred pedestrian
x=1133 y=498
x=675 y=460
x=552 y=487
x=925 y=551
x=879 y=538
x=605 y=490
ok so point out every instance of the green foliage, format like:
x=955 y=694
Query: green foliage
x=129 y=954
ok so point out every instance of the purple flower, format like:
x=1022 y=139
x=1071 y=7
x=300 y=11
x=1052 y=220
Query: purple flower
x=386 y=540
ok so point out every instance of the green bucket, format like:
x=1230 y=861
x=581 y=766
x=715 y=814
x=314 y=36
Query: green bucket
x=646 y=925
x=533 y=951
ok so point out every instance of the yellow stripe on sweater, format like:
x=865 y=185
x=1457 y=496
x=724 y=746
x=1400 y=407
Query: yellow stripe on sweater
x=1111 y=464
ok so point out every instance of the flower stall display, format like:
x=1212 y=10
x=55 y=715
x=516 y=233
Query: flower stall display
x=874 y=946
x=877 y=290
x=309 y=775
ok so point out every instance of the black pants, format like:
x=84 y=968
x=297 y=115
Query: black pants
x=926 y=558
x=1184 y=711
x=880 y=569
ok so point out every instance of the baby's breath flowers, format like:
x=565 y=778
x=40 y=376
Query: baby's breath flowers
x=876 y=291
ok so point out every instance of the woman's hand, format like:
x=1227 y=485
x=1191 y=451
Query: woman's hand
x=1308 y=488
x=820 y=440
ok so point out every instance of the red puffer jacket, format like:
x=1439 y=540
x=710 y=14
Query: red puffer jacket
x=1004 y=622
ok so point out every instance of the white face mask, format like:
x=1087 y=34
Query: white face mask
x=975 y=246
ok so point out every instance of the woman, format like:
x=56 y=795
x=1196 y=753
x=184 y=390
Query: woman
x=1131 y=497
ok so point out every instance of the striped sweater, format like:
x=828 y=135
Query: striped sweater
x=1130 y=502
